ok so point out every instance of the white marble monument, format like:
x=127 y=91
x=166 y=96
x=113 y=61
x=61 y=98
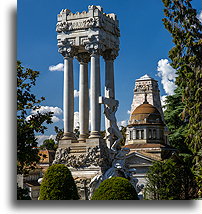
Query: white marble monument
x=87 y=36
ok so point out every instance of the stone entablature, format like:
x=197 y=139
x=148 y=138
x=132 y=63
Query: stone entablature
x=89 y=31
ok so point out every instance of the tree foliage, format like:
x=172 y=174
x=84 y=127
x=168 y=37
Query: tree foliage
x=174 y=121
x=49 y=144
x=59 y=134
x=58 y=184
x=115 y=188
x=23 y=194
x=182 y=22
x=170 y=180
x=27 y=152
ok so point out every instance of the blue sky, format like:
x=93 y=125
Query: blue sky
x=143 y=43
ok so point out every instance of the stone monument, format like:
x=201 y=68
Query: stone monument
x=87 y=36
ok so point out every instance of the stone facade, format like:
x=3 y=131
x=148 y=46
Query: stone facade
x=150 y=86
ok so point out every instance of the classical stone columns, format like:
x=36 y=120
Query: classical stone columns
x=68 y=98
x=83 y=59
x=109 y=78
x=95 y=94
x=109 y=83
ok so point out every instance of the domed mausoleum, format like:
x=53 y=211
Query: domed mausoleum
x=145 y=125
x=146 y=134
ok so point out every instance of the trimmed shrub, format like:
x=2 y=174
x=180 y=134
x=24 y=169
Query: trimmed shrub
x=58 y=184
x=115 y=188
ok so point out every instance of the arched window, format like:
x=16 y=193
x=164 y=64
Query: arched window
x=142 y=134
x=150 y=134
x=137 y=134
x=154 y=133
x=130 y=135
x=134 y=132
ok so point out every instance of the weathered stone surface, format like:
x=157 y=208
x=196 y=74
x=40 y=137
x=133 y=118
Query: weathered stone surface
x=89 y=30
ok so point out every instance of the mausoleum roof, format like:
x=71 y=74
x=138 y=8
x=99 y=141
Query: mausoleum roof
x=145 y=77
x=145 y=114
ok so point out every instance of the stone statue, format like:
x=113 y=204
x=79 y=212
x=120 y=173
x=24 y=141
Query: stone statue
x=118 y=169
x=115 y=136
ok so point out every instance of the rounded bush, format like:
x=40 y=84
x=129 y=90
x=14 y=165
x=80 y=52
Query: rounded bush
x=115 y=188
x=58 y=184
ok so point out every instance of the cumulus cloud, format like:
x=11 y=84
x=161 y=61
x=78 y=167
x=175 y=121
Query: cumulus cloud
x=41 y=138
x=76 y=93
x=58 y=67
x=167 y=75
x=44 y=109
x=199 y=16
x=163 y=98
x=55 y=119
x=76 y=119
x=122 y=123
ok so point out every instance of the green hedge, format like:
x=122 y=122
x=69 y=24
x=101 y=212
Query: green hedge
x=58 y=184
x=115 y=188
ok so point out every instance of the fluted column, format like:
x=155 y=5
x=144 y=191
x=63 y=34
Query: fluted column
x=83 y=59
x=109 y=82
x=68 y=98
x=94 y=98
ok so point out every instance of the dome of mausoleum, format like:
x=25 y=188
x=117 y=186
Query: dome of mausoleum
x=146 y=113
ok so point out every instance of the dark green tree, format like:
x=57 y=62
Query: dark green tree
x=175 y=122
x=58 y=184
x=49 y=144
x=115 y=188
x=182 y=22
x=59 y=134
x=23 y=194
x=27 y=152
x=171 y=179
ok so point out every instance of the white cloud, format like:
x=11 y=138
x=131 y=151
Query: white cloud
x=56 y=110
x=199 y=16
x=58 y=67
x=76 y=93
x=55 y=119
x=168 y=75
x=163 y=98
x=76 y=119
x=44 y=109
x=41 y=138
x=122 y=123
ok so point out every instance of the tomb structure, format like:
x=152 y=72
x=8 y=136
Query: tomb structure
x=87 y=36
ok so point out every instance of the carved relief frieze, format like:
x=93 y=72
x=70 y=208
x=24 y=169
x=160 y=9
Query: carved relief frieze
x=95 y=156
x=93 y=31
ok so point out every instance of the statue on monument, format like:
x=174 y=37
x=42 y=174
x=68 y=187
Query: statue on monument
x=115 y=136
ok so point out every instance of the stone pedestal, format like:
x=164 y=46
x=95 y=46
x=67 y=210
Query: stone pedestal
x=85 y=161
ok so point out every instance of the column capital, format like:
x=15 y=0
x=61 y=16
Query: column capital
x=110 y=54
x=67 y=51
x=95 y=48
x=83 y=57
